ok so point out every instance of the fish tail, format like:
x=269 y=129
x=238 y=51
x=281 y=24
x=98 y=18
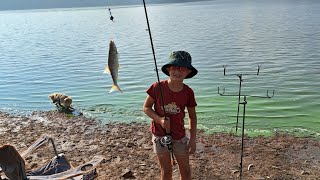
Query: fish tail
x=114 y=88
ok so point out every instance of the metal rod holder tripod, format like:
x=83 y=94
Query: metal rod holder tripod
x=244 y=103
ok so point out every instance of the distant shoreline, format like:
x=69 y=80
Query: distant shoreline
x=14 y=5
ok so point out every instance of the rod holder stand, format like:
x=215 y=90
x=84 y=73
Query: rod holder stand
x=243 y=103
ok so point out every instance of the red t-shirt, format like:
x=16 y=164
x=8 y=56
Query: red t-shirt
x=174 y=103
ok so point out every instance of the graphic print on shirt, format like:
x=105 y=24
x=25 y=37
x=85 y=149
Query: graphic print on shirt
x=172 y=108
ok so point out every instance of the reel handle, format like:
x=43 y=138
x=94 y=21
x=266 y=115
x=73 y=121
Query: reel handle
x=166 y=140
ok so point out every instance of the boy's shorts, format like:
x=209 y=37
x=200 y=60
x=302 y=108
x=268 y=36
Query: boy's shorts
x=179 y=147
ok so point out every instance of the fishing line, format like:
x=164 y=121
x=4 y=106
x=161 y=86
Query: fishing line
x=110 y=14
x=111 y=26
x=166 y=140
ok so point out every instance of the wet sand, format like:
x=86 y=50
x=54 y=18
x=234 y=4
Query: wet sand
x=128 y=150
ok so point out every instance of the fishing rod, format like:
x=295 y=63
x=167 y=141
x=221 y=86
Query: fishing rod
x=166 y=140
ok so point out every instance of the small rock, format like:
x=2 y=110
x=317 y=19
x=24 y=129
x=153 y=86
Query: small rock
x=234 y=171
x=146 y=147
x=249 y=167
x=130 y=144
x=117 y=159
x=127 y=174
x=33 y=165
x=304 y=173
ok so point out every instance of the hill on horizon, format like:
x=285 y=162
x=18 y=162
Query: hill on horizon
x=47 y=4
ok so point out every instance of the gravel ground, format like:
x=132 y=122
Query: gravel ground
x=128 y=152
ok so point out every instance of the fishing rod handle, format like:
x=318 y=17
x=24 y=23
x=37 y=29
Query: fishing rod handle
x=167 y=130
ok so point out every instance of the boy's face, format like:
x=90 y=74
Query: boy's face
x=178 y=73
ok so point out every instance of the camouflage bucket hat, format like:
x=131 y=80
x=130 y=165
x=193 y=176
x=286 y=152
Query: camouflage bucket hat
x=182 y=59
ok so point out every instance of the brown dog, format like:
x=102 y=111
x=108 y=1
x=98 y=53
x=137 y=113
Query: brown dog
x=61 y=100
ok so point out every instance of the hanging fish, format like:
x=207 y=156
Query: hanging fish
x=113 y=66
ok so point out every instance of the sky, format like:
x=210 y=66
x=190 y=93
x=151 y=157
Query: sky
x=46 y=4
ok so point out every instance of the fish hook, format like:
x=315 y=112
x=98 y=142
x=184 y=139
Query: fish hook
x=111 y=17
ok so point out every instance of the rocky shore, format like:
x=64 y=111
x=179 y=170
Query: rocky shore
x=128 y=150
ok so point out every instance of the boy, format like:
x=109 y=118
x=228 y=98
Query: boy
x=176 y=96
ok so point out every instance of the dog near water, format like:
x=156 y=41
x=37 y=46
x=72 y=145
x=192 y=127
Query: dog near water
x=61 y=101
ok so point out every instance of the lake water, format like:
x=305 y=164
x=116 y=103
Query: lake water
x=65 y=50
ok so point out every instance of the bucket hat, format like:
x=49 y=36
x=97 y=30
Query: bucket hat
x=182 y=59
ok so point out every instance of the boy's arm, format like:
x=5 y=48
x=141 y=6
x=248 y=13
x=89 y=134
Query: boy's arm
x=147 y=108
x=193 y=128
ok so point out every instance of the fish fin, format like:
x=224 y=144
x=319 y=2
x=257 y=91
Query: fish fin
x=107 y=70
x=114 y=88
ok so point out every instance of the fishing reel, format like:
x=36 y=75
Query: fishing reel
x=166 y=140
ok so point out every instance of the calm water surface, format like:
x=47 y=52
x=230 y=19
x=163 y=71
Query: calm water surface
x=65 y=50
